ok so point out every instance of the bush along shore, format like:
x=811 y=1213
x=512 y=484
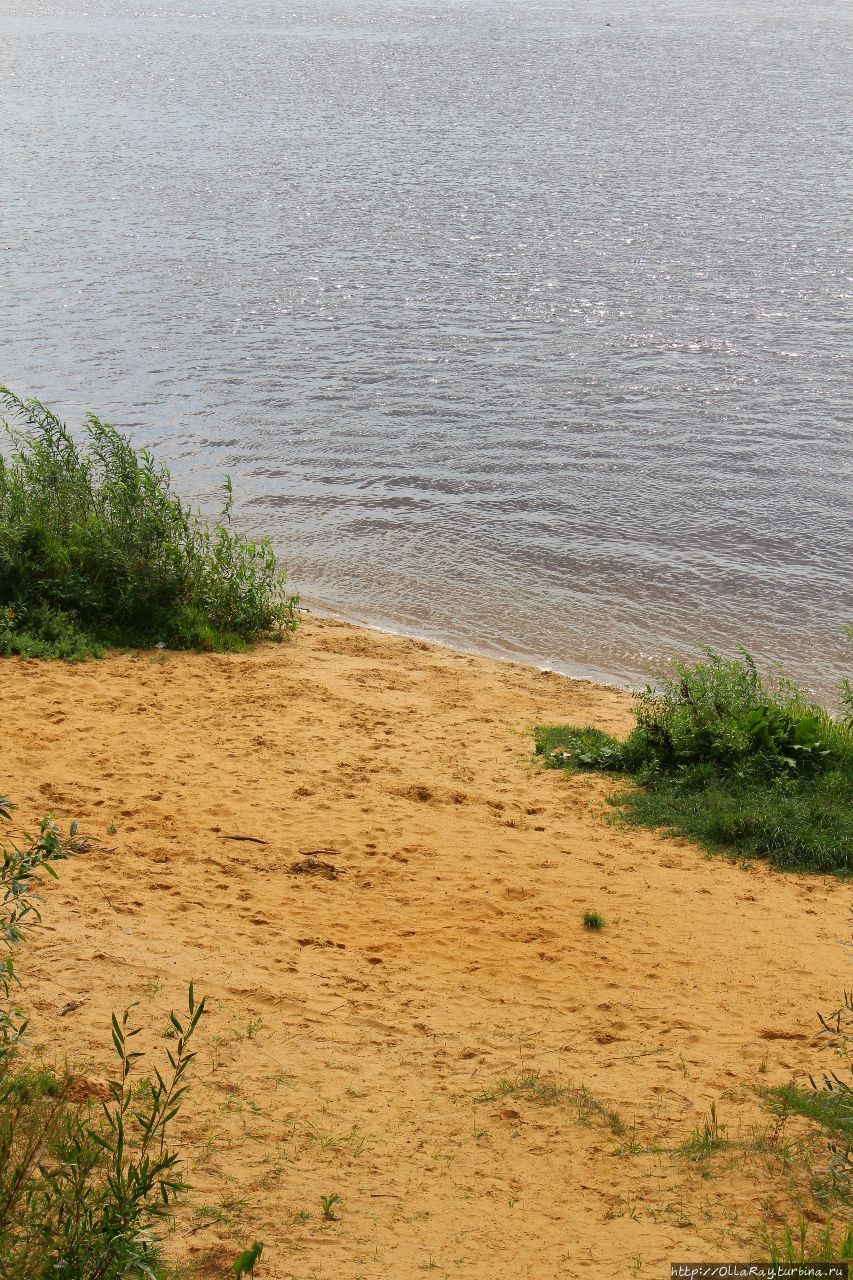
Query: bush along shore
x=740 y=762
x=96 y=550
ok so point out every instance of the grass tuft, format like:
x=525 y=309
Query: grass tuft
x=533 y=1087
x=527 y=1084
x=706 y=1138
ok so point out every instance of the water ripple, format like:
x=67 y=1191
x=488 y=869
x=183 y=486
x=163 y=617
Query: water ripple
x=526 y=326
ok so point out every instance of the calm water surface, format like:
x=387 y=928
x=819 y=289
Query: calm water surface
x=519 y=324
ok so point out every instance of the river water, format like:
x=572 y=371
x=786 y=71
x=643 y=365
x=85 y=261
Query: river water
x=519 y=324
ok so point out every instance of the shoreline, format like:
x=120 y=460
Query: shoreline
x=586 y=673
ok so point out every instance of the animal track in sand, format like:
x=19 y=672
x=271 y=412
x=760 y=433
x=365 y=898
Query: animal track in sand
x=516 y=893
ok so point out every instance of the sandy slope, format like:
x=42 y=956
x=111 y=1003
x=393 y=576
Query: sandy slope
x=359 y=1025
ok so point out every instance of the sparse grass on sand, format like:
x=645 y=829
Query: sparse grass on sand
x=85 y=1177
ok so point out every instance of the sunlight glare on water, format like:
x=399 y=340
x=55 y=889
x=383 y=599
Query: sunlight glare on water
x=524 y=326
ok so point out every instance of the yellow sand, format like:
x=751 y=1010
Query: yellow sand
x=358 y=1026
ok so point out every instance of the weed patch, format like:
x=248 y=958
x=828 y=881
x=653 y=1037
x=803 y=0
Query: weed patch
x=527 y=1084
x=86 y=1182
x=737 y=762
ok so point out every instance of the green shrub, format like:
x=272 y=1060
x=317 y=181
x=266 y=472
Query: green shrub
x=20 y=873
x=733 y=760
x=82 y=1186
x=721 y=713
x=96 y=549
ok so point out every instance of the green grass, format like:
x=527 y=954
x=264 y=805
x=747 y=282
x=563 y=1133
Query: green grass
x=592 y=920
x=706 y=1138
x=97 y=550
x=830 y=1108
x=533 y=1087
x=802 y=825
x=830 y=1243
x=737 y=762
x=527 y=1084
x=590 y=1108
x=828 y=1103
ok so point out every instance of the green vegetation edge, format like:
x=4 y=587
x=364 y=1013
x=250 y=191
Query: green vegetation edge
x=739 y=762
x=97 y=550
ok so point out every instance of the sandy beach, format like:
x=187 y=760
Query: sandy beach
x=345 y=842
